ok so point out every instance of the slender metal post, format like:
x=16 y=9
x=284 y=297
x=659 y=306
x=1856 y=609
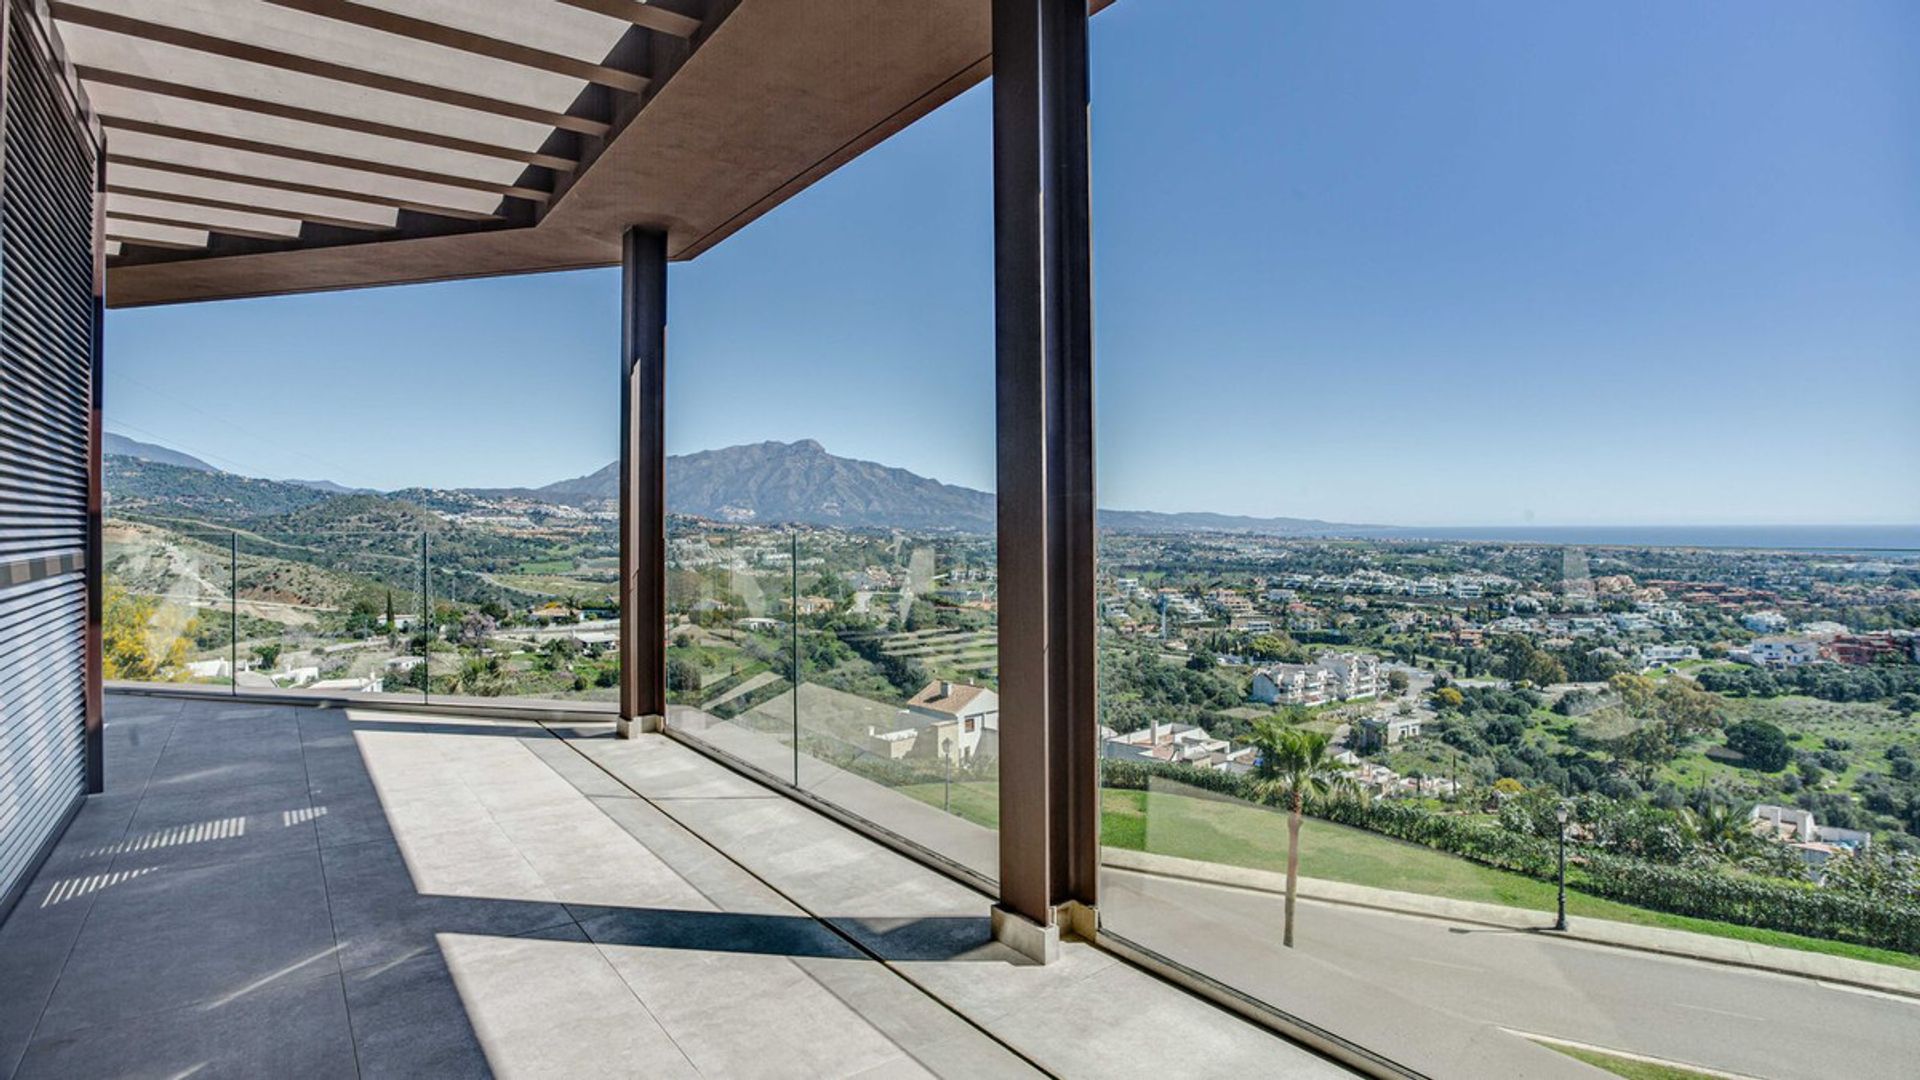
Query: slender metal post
x=1043 y=315
x=233 y=609
x=793 y=639
x=426 y=625
x=643 y=480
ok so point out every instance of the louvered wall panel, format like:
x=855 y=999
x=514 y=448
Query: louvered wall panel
x=42 y=741
x=46 y=365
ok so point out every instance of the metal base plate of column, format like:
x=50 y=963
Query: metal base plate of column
x=1040 y=944
x=649 y=724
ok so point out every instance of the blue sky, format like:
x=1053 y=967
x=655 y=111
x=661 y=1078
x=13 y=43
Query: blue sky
x=1464 y=263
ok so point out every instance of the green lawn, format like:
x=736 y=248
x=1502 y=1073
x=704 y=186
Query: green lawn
x=1241 y=834
x=1630 y=1068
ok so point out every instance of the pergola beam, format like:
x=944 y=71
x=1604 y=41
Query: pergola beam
x=319 y=157
x=187 y=223
x=451 y=37
x=190 y=199
x=64 y=11
x=243 y=103
x=641 y=13
x=203 y=173
x=139 y=241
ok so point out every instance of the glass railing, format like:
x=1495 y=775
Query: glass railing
x=424 y=613
x=856 y=665
x=168 y=613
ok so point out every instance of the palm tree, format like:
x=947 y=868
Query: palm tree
x=1294 y=765
x=1719 y=828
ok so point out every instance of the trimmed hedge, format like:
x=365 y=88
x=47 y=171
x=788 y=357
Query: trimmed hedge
x=1793 y=907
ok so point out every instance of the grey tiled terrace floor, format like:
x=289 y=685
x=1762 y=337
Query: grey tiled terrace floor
x=286 y=891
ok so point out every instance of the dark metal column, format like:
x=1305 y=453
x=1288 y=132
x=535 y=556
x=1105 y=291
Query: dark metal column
x=1049 y=764
x=96 y=503
x=643 y=480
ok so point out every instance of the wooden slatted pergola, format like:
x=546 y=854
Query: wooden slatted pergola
x=266 y=146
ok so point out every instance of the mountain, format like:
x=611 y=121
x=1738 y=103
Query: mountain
x=769 y=482
x=120 y=445
x=330 y=487
x=802 y=483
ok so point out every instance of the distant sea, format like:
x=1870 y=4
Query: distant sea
x=1839 y=538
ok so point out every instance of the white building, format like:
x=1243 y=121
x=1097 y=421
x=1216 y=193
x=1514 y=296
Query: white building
x=1764 y=622
x=1780 y=652
x=1352 y=675
x=1667 y=654
x=369 y=685
x=1179 y=744
x=1379 y=732
x=210 y=669
x=1292 y=684
x=1797 y=828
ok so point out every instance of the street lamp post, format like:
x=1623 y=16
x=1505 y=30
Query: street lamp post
x=1560 y=815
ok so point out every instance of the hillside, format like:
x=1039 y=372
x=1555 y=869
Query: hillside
x=138 y=486
x=113 y=445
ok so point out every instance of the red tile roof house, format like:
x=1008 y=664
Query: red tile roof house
x=964 y=718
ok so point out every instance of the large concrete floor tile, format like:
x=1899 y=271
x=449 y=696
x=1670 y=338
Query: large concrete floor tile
x=932 y=1035
x=211 y=767
x=94 y=835
x=567 y=763
x=658 y=768
x=189 y=828
x=388 y=905
x=545 y=1006
x=704 y=931
x=34 y=942
x=355 y=818
x=589 y=861
x=181 y=935
x=752 y=1014
x=409 y=1022
x=995 y=981
x=1212 y=1042
x=296 y=1029
x=827 y=868
x=714 y=876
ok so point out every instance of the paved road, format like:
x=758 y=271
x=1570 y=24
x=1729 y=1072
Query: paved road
x=1752 y=1023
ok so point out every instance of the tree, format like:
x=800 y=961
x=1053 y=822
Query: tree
x=1644 y=749
x=127 y=649
x=268 y=655
x=1763 y=745
x=475 y=628
x=363 y=617
x=1294 y=765
x=1397 y=682
x=683 y=675
x=479 y=677
x=1448 y=697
